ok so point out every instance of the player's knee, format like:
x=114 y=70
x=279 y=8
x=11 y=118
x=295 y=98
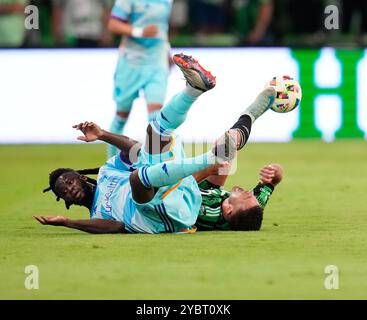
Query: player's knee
x=135 y=180
x=139 y=192
x=136 y=185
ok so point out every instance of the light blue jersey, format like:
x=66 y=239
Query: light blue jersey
x=174 y=208
x=141 y=13
x=112 y=199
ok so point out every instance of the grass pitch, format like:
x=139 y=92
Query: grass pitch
x=316 y=217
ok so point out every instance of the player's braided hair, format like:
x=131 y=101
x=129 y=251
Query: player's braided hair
x=54 y=175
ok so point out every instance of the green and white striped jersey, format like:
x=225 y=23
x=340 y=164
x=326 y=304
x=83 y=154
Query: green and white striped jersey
x=210 y=214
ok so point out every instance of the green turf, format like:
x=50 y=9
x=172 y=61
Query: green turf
x=317 y=217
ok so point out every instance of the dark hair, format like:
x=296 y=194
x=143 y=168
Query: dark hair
x=247 y=220
x=54 y=175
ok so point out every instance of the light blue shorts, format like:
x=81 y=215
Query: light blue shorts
x=130 y=79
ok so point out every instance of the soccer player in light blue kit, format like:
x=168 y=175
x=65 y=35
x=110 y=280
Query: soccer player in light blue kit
x=144 y=61
x=151 y=189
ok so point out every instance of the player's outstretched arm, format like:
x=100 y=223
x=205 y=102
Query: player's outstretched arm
x=96 y=226
x=93 y=132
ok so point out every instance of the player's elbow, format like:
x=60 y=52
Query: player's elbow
x=111 y=26
x=114 y=25
x=117 y=227
x=118 y=27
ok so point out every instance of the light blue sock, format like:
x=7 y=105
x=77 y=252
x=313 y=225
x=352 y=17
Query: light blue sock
x=117 y=125
x=174 y=113
x=170 y=172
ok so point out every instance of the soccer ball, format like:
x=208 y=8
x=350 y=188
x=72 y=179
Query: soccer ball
x=288 y=93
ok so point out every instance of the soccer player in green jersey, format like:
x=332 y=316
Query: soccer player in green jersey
x=220 y=206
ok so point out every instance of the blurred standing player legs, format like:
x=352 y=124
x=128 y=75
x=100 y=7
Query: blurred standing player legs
x=252 y=19
x=144 y=60
x=81 y=23
x=12 y=30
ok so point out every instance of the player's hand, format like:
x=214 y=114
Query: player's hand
x=150 y=31
x=92 y=131
x=52 y=220
x=271 y=174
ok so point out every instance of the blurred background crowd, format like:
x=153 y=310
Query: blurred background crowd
x=82 y=23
